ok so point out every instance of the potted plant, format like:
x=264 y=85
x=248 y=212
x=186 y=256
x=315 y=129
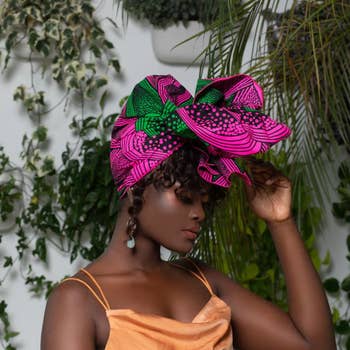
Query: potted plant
x=174 y=22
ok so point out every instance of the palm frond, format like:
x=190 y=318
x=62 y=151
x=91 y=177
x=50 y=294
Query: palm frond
x=301 y=59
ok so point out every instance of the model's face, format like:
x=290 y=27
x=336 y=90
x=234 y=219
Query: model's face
x=165 y=217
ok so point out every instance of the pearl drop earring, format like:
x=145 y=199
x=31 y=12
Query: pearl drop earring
x=131 y=242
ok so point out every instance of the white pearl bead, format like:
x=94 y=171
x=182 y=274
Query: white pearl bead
x=130 y=243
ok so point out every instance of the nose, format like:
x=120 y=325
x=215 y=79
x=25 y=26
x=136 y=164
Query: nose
x=197 y=212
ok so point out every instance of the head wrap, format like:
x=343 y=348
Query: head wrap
x=160 y=116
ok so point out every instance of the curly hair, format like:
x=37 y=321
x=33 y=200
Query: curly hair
x=181 y=166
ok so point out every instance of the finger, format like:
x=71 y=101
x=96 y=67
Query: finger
x=261 y=167
x=271 y=184
x=250 y=191
x=265 y=171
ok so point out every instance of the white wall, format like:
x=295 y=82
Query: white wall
x=137 y=60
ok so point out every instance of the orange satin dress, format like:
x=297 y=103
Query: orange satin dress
x=210 y=329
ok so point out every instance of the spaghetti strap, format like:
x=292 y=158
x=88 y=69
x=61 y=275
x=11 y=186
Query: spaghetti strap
x=200 y=276
x=97 y=285
x=106 y=307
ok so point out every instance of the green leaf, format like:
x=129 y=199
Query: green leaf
x=309 y=243
x=40 y=249
x=10 y=41
x=52 y=29
x=347 y=343
x=338 y=210
x=34 y=12
x=123 y=100
x=271 y=274
x=20 y=93
x=10 y=335
x=345 y=285
x=335 y=315
x=108 y=44
x=40 y=133
x=342 y=327
x=261 y=226
x=315 y=257
x=327 y=260
x=92 y=197
x=344 y=171
x=96 y=51
x=33 y=38
x=48 y=167
x=8 y=261
x=72 y=83
x=10 y=347
x=115 y=64
x=101 y=82
x=103 y=99
x=331 y=285
x=250 y=271
x=43 y=46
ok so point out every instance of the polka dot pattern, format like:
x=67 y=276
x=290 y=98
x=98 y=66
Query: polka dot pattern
x=161 y=116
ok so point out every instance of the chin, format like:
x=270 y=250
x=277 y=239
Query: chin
x=183 y=250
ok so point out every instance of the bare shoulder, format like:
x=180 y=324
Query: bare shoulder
x=68 y=292
x=68 y=323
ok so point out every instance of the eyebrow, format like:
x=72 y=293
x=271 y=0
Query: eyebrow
x=204 y=192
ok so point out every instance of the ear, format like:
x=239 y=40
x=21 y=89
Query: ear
x=130 y=194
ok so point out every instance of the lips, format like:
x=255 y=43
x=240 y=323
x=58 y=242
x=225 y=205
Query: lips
x=190 y=234
x=194 y=229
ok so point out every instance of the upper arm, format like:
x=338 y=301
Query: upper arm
x=67 y=323
x=256 y=323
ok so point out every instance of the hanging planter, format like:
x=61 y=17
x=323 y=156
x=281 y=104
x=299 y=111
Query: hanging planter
x=169 y=46
x=175 y=21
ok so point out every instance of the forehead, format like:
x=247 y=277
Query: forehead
x=202 y=188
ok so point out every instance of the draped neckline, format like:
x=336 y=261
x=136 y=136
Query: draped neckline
x=113 y=312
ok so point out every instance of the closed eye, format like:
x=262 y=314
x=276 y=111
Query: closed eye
x=186 y=199
x=189 y=200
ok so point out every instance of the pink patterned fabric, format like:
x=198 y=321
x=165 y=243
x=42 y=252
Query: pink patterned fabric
x=160 y=116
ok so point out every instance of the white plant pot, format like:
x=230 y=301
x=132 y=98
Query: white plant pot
x=165 y=40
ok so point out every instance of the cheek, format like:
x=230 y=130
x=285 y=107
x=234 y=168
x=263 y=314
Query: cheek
x=164 y=211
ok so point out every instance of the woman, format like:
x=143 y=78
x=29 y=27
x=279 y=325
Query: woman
x=171 y=158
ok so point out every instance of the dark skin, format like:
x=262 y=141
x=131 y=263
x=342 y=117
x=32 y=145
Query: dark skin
x=141 y=281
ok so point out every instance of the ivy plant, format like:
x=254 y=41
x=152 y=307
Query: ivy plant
x=71 y=205
x=339 y=290
x=64 y=33
x=164 y=13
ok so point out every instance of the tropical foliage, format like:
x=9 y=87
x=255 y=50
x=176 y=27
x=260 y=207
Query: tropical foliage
x=299 y=56
x=73 y=205
x=302 y=64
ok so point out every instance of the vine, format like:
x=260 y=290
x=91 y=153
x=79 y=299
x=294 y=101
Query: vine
x=72 y=203
x=339 y=291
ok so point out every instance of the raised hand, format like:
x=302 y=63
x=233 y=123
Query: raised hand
x=270 y=195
